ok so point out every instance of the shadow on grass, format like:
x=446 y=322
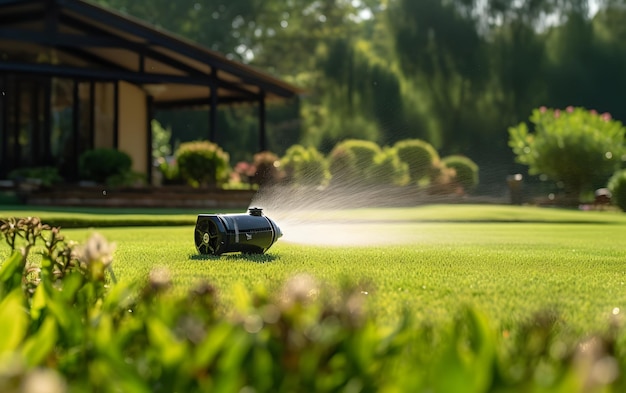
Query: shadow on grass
x=258 y=258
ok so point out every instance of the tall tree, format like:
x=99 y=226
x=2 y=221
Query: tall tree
x=222 y=25
x=438 y=45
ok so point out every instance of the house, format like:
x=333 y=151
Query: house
x=76 y=76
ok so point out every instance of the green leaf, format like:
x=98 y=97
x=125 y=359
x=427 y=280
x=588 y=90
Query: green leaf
x=39 y=346
x=38 y=302
x=215 y=340
x=12 y=270
x=13 y=321
x=103 y=336
x=172 y=351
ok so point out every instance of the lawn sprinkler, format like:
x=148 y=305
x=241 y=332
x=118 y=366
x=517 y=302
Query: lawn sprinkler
x=249 y=233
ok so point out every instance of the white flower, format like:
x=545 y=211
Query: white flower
x=97 y=249
x=43 y=381
x=160 y=278
x=301 y=288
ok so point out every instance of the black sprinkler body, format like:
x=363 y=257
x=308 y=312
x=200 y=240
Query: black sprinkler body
x=249 y=233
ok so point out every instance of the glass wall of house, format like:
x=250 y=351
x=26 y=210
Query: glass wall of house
x=49 y=121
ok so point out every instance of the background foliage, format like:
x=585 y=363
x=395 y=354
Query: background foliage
x=454 y=73
x=580 y=149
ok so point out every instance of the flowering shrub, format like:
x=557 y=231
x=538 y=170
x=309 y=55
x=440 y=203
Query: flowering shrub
x=577 y=147
x=265 y=169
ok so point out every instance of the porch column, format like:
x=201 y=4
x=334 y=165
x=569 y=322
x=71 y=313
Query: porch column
x=213 y=105
x=262 y=131
x=116 y=115
x=4 y=132
x=149 y=117
x=74 y=171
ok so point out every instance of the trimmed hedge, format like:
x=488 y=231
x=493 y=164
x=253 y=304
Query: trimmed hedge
x=305 y=166
x=202 y=163
x=419 y=155
x=351 y=161
x=617 y=186
x=466 y=171
x=103 y=163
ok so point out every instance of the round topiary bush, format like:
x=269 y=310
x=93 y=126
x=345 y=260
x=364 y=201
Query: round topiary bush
x=419 y=155
x=102 y=163
x=341 y=164
x=617 y=186
x=202 y=163
x=388 y=169
x=351 y=160
x=305 y=166
x=466 y=171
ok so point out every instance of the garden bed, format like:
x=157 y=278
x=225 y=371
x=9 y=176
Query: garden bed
x=163 y=197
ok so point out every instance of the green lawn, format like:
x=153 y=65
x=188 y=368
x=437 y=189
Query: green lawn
x=508 y=261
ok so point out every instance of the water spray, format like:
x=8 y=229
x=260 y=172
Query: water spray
x=249 y=233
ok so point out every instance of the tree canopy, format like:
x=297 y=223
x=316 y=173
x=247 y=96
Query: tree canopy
x=456 y=73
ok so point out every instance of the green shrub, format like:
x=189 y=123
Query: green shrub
x=577 y=147
x=441 y=180
x=466 y=171
x=388 y=169
x=341 y=164
x=161 y=147
x=127 y=179
x=352 y=159
x=100 y=164
x=169 y=169
x=47 y=175
x=202 y=163
x=617 y=186
x=419 y=155
x=305 y=166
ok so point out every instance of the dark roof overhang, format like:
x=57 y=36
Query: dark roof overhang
x=76 y=38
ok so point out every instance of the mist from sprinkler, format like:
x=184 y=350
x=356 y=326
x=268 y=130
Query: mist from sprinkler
x=317 y=216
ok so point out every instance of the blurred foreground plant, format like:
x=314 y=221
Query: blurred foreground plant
x=63 y=327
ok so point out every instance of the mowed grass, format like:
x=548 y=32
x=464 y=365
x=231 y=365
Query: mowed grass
x=509 y=262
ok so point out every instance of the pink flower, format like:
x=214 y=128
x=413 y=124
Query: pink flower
x=557 y=113
x=593 y=112
x=606 y=116
x=543 y=109
x=569 y=109
x=242 y=167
